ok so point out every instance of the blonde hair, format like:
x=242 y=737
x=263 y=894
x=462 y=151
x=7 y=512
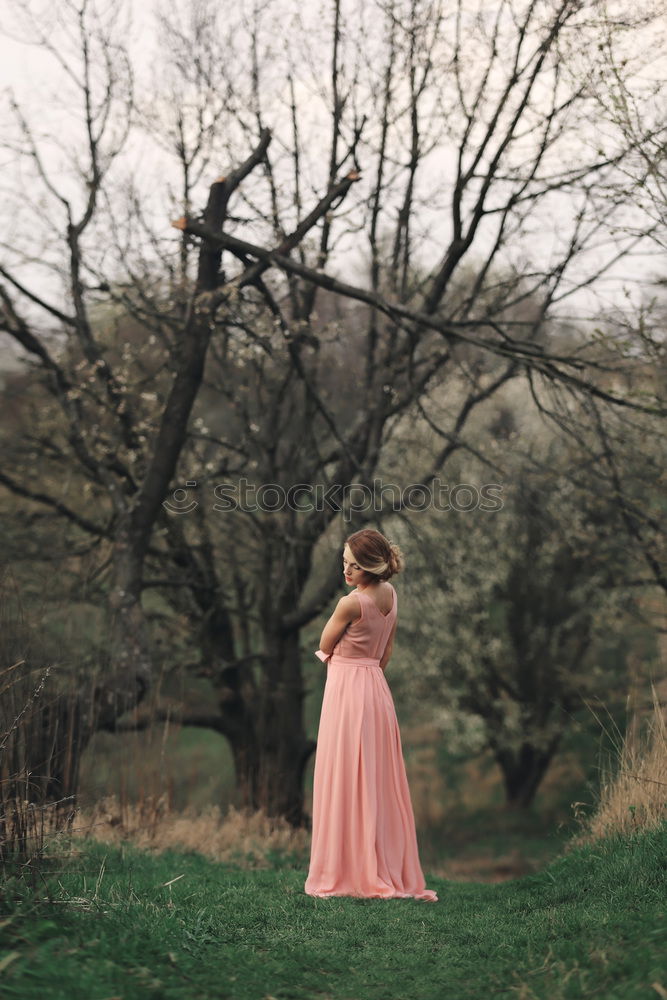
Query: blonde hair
x=375 y=554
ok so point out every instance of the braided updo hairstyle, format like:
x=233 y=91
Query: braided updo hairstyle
x=375 y=554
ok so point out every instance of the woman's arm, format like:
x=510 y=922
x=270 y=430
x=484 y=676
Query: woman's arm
x=390 y=645
x=347 y=610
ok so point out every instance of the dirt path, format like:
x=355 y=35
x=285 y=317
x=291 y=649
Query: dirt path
x=488 y=867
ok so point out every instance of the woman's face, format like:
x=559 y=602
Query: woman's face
x=353 y=574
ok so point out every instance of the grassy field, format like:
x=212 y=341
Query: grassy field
x=119 y=923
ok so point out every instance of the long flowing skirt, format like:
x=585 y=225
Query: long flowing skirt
x=364 y=841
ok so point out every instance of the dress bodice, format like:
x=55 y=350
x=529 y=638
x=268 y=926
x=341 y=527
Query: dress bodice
x=368 y=635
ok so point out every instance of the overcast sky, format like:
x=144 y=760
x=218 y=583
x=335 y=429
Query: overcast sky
x=33 y=75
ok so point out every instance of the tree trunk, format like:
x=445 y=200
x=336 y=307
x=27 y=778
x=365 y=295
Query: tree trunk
x=268 y=740
x=524 y=771
x=271 y=778
x=128 y=674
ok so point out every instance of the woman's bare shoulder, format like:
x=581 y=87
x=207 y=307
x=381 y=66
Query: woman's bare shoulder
x=350 y=604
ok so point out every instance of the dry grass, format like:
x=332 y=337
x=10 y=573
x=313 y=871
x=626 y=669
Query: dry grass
x=38 y=763
x=634 y=797
x=241 y=837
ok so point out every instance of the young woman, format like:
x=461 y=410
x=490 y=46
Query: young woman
x=364 y=841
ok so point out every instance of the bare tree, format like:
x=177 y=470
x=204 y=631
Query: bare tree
x=136 y=494
x=428 y=163
x=527 y=604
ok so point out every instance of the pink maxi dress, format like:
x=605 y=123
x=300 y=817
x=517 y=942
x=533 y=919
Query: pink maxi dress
x=364 y=841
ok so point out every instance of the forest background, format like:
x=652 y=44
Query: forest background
x=404 y=241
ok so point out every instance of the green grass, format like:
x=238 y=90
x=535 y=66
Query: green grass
x=591 y=924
